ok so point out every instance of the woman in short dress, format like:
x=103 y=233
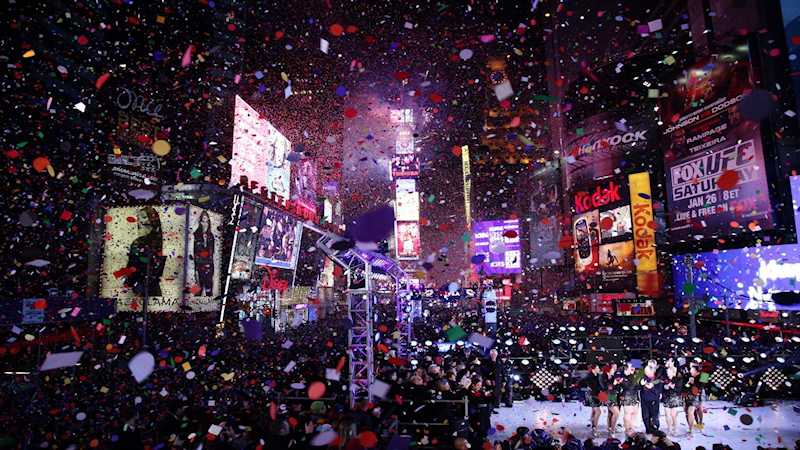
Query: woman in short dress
x=671 y=397
x=612 y=382
x=693 y=392
x=629 y=398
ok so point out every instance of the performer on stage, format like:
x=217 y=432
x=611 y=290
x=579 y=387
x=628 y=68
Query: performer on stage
x=671 y=397
x=650 y=396
x=693 y=391
x=593 y=383
x=629 y=398
x=612 y=383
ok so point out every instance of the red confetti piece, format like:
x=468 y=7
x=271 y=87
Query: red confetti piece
x=101 y=80
x=40 y=164
x=83 y=40
x=400 y=75
x=40 y=304
x=336 y=30
x=316 y=390
x=352 y=29
x=435 y=98
x=456 y=150
x=510 y=234
x=728 y=180
x=350 y=113
x=131 y=219
x=65 y=215
x=368 y=439
x=124 y=272
x=13 y=154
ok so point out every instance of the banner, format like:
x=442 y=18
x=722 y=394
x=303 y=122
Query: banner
x=151 y=240
x=498 y=241
x=716 y=180
x=404 y=143
x=246 y=240
x=408 y=239
x=644 y=234
x=465 y=169
x=616 y=261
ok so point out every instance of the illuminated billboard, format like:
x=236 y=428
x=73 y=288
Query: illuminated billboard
x=145 y=254
x=761 y=278
x=259 y=152
x=246 y=240
x=586 y=232
x=498 y=241
x=407 y=239
x=305 y=185
x=405 y=166
x=406 y=206
x=716 y=177
x=545 y=228
x=278 y=240
x=404 y=143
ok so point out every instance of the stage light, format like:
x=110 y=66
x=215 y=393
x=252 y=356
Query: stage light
x=773 y=378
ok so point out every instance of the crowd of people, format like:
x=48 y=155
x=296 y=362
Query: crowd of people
x=228 y=386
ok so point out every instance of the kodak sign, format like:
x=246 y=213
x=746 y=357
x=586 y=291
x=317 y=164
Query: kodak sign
x=602 y=195
x=644 y=235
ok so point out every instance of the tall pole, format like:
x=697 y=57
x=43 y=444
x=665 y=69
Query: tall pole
x=692 y=313
x=146 y=300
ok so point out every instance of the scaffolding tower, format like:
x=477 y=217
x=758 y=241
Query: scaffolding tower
x=359 y=266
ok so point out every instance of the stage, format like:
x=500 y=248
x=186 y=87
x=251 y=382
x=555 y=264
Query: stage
x=773 y=425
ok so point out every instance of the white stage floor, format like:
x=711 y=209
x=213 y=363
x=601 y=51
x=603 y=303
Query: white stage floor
x=774 y=425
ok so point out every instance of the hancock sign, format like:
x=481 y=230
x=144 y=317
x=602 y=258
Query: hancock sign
x=602 y=195
x=608 y=142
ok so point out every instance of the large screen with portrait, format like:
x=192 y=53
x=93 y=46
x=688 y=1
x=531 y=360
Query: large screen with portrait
x=259 y=152
x=278 y=240
x=145 y=254
x=246 y=242
x=407 y=239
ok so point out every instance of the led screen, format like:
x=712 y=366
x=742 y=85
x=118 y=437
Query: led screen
x=498 y=241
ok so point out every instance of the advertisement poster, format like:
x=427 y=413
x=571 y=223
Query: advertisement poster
x=597 y=146
x=616 y=261
x=278 y=240
x=586 y=232
x=305 y=185
x=746 y=278
x=246 y=240
x=716 y=180
x=644 y=235
x=545 y=228
x=139 y=124
x=635 y=307
x=498 y=241
x=142 y=236
x=32 y=314
x=204 y=270
x=408 y=239
x=250 y=157
x=615 y=223
x=406 y=200
x=405 y=166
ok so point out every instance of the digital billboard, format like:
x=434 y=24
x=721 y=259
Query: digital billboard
x=716 y=178
x=615 y=223
x=616 y=261
x=404 y=142
x=746 y=278
x=278 y=239
x=498 y=241
x=246 y=240
x=586 y=233
x=405 y=166
x=151 y=240
x=406 y=206
x=305 y=185
x=407 y=239
x=259 y=152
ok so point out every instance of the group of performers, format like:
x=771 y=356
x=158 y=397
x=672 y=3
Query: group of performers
x=630 y=390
